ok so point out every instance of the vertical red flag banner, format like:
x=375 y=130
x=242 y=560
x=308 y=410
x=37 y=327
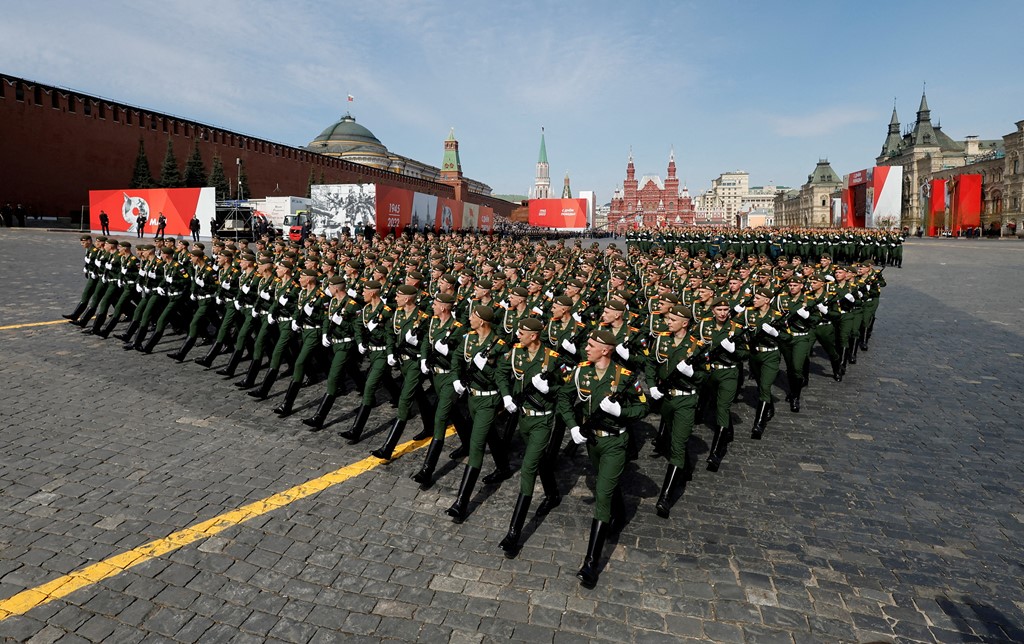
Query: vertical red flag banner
x=937 y=207
x=394 y=209
x=178 y=205
x=486 y=220
x=967 y=202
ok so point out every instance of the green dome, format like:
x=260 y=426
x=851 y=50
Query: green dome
x=347 y=136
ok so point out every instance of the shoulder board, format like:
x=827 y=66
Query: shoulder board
x=456 y=323
x=518 y=345
x=658 y=312
x=625 y=372
x=387 y=308
x=585 y=363
x=664 y=333
x=634 y=329
x=500 y=341
x=353 y=302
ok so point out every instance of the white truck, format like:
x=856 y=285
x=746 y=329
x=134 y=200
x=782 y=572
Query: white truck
x=277 y=208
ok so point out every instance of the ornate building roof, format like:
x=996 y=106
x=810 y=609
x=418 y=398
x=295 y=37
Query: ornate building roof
x=347 y=138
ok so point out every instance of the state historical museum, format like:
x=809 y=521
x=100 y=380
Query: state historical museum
x=650 y=201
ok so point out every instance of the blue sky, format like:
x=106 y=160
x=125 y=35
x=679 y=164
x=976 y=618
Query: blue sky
x=766 y=87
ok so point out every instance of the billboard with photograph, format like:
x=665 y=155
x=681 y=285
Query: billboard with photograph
x=391 y=209
x=345 y=205
x=178 y=205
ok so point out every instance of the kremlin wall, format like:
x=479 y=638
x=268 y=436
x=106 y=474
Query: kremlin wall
x=56 y=145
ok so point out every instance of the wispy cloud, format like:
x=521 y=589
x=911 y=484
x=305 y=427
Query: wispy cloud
x=824 y=121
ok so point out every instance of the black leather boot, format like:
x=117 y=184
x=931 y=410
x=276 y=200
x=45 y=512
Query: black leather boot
x=425 y=475
x=84 y=318
x=500 y=454
x=863 y=339
x=186 y=346
x=510 y=544
x=207 y=360
x=853 y=351
x=719 y=446
x=588 y=573
x=317 y=421
x=285 y=408
x=108 y=328
x=353 y=435
x=229 y=371
x=97 y=324
x=78 y=311
x=760 y=421
x=152 y=342
x=385 y=451
x=552 y=497
x=660 y=441
x=249 y=381
x=460 y=509
x=672 y=474
x=837 y=371
x=129 y=333
x=265 y=386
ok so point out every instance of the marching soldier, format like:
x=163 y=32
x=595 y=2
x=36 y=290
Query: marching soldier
x=371 y=340
x=204 y=288
x=762 y=322
x=720 y=333
x=337 y=334
x=597 y=402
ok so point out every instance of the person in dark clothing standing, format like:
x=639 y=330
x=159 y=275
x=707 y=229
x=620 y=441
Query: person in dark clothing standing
x=194 y=227
x=105 y=222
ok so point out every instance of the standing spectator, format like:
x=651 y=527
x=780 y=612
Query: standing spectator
x=161 y=226
x=194 y=227
x=21 y=215
x=105 y=222
x=140 y=225
x=7 y=215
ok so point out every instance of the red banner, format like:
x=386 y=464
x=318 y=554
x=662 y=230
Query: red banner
x=966 y=202
x=394 y=209
x=558 y=213
x=178 y=205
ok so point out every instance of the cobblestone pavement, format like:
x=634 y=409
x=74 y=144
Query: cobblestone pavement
x=889 y=509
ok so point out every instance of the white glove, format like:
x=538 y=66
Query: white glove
x=656 y=394
x=480 y=361
x=738 y=308
x=283 y=300
x=138 y=288
x=226 y=286
x=769 y=329
x=168 y=279
x=265 y=296
x=577 y=435
x=362 y=349
x=336 y=318
x=200 y=282
x=351 y=292
x=160 y=290
x=610 y=407
x=85 y=270
x=371 y=326
x=270 y=318
x=295 y=326
x=324 y=340
x=549 y=294
x=441 y=347
x=822 y=308
x=849 y=297
x=510 y=406
x=192 y=296
x=860 y=293
x=503 y=304
x=238 y=307
x=538 y=310
x=458 y=387
x=218 y=300
x=424 y=369
x=576 y=316
x=308 y=309
x=684 y=368
x=830 y=278
x=391 y=361
x=728 y=345
x=410 y=338
x=540 y=384
x=568 y=346
x=255 y=313
x=622 y=350
x=246 y=288
x=803 y=312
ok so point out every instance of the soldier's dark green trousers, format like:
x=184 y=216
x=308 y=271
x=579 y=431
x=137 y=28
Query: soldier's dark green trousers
x=679 y=413
x=608 y=456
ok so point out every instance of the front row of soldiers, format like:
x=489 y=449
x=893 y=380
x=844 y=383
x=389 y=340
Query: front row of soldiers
x=540 y=371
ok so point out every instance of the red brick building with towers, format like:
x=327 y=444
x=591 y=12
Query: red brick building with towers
x=650 y=201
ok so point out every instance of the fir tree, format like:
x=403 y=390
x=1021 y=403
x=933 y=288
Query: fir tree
x=321 y=181
x=219 y=180
x=195 y=171
x=170 y=176
x=309 y=184
x=243 y=182
x=141 y=176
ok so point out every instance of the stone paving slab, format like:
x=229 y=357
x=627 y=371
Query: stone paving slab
x=889 y=509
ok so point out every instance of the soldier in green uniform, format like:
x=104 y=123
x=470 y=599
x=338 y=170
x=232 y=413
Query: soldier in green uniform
x=307 y=322
x=597 y=402
x=796 y=341
x=279 y=318
x=405 y=331
x=676 y=382
x=255 y=299
x=845 y=314
x=824 y=331
x=872 y=283
x=371 y=340
x=204 y=289
x=527 y=380
x=762 y=322
x=126 y=269
x=475 y=366
x=89 y=270
x=720 y=332
x=337 y=335
x=230 y=280
x=437 y=353
x=172 y=281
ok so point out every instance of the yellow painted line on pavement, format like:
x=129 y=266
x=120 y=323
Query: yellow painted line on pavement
x=23 y=326
x=61 y=587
